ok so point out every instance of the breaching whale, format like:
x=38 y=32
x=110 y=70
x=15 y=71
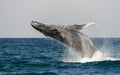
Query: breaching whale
x=69 y=35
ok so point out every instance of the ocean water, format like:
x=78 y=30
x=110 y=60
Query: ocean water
x=45 y=56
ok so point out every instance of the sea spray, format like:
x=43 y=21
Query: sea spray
x=71 y=55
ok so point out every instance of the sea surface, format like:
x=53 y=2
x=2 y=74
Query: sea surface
x=45 y=56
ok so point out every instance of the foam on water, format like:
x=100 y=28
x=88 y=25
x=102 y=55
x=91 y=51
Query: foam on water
x=98 y=56
x=72 y=56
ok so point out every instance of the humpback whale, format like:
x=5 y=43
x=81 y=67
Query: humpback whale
x=69 y=35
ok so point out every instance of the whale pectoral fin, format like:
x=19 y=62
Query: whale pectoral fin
x=82 y=26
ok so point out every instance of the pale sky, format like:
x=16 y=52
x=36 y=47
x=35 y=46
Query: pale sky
x=16 y=15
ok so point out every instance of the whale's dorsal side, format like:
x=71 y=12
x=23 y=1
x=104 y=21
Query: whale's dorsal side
x=69 y=35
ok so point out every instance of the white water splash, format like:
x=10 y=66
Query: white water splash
x=72 y=56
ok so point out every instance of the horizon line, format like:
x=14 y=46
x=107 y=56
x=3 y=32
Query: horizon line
x=50 y=37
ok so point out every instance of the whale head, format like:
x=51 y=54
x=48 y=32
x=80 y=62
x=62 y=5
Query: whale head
x=48 y=30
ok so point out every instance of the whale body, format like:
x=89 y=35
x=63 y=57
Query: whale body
x=69 y=35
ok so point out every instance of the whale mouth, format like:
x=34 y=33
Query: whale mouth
x=36 y=25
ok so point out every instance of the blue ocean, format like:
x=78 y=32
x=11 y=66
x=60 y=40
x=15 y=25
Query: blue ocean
x=46 y=56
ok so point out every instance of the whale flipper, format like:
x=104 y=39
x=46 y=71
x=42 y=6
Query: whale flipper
x=81 y=26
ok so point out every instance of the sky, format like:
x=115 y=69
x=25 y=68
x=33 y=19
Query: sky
x=16 y=15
